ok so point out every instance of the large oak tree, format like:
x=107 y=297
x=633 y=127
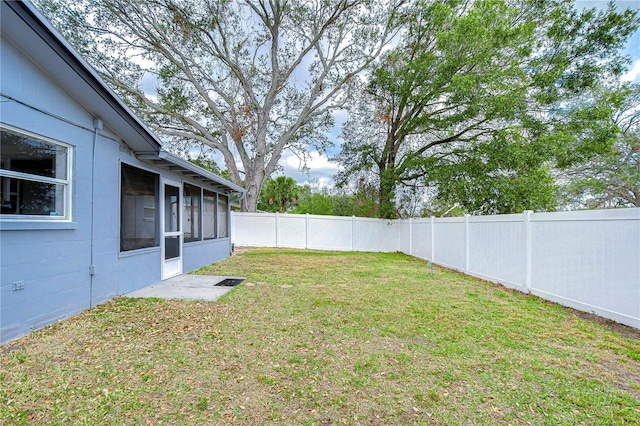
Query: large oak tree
x=481 y=99
x=248 y=78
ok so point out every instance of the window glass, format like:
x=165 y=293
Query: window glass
x=223 y=219
x=191 y=215
x=34 y=176
x=171 y=208
x=27 y=155
x=171 y=247
x=208 y=215
x=27 y=197
x=139 y=209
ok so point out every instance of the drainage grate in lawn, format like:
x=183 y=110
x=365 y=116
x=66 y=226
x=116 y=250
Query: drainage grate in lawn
x=230 y=282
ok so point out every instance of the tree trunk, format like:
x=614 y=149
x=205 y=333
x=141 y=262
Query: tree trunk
x=250 y=201
x=386 y=194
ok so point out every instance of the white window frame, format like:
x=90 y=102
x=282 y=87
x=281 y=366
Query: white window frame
x=67 y=183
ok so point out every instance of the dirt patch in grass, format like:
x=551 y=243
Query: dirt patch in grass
x=239 y=250
x=325 y=338
x=621 y=329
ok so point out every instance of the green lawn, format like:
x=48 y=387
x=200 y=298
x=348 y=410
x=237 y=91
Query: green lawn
x=325 y=338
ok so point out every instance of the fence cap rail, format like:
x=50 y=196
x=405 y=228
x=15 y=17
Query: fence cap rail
x=584 y=215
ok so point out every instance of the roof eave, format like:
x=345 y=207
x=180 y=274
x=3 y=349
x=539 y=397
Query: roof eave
x=189 y=170
x=107 y=105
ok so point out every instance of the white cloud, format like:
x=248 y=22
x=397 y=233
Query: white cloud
x=633 y=74
x=320 y=183
x=320 y=171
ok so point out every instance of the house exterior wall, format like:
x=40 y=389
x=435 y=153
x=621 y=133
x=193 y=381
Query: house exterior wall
x=200 y=253
x=53 y=259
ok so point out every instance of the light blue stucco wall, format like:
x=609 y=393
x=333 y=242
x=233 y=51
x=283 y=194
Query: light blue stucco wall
x=54 y=261
x=197 y=254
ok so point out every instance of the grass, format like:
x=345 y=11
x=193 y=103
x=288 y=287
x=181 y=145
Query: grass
x=323 y=338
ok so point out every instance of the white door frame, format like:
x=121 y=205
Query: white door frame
x=171 y=267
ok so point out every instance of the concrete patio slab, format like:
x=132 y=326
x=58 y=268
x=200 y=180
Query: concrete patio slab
x=186 y=287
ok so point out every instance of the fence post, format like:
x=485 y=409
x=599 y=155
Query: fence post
x=306 y=231
x=353 y=222
x=277 y=230
x=433 y=242
x=528 y=249
x=466 y=243
x=411 y=236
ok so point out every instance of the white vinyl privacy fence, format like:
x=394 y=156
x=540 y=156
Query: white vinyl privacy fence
x=588 y=260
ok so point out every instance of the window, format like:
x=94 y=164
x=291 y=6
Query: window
x=205 y=206
x=35 y=178
x=223 y=214
x=205 y=214
x=209 y=215
x=138 y=209
x=191 y=216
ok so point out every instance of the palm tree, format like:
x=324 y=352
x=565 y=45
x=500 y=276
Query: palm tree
x=279 y=194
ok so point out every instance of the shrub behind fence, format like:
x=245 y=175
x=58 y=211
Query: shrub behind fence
x=588 y=260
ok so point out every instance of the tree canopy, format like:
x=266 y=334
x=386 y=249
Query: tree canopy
x=481 y=99
x=249 y=78
x=338 y=202
x=283 y=195
x=477 y=102
x=279 y=194
x=612 y=179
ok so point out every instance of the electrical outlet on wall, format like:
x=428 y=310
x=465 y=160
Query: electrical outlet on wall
x=17 y=285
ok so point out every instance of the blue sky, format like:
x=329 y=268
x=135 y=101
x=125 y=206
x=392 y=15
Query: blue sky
x=633 y=45
x=321 y=170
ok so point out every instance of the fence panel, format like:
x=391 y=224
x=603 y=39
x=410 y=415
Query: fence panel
x=292 y=231
x=497 y=249
x=449 y=238
x=400 y=231
x=421 y=238
x=253 y=229
x=372 y=234
x=330 y=233
x=589 y=260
